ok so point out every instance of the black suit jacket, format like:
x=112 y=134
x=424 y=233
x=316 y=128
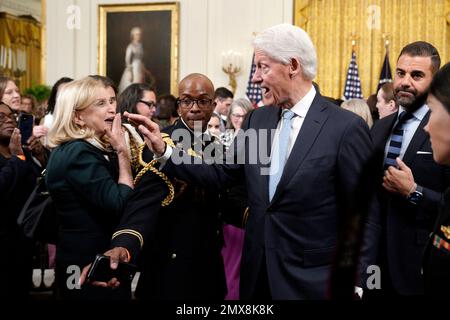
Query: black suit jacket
x=406 y=226
x=295 y=235
x=17 y=180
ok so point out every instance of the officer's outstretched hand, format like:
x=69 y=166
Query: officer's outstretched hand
x=150 y=130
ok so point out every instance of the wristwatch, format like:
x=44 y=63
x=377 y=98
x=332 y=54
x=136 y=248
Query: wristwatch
x=417 y=196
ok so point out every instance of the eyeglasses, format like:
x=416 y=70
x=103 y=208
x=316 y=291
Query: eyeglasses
x=240 y=116
x=4 y=116
x=188 y=103
x=149 y=104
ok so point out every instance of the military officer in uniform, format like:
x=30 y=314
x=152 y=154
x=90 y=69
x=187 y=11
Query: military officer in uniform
x=182 y=255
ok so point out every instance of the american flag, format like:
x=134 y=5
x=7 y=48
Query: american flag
x=253 y=92
x=352 y=84
x=385 y=74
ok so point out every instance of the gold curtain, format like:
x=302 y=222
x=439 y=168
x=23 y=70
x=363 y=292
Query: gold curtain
x=332 y=24
x=22 y=35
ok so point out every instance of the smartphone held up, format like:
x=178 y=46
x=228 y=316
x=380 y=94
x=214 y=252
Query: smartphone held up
x=25 y=126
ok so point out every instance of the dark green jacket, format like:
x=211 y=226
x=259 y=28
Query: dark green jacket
x=83 y=184
x=89 y=201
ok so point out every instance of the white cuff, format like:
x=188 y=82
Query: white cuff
x=359 y=292
x=35 y=160
x=166 y=156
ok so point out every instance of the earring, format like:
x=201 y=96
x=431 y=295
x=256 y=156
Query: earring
x=82 y=131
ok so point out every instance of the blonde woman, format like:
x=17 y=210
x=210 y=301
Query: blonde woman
x=359 y=107
x=89 y=178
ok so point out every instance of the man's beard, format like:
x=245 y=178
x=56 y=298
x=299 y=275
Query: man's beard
x=411 y=105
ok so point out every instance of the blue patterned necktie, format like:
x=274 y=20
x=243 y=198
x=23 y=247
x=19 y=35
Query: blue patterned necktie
x=395 y=144
x=280 y=155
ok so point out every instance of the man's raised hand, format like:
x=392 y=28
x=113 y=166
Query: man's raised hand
x=150 y=131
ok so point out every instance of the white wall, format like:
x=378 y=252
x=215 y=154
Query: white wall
x=207 y=28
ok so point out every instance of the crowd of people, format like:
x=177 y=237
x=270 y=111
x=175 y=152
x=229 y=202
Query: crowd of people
x=215 y=199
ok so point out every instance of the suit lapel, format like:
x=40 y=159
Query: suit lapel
x=271 y=125
x=312 y=124
x=420 y=136
x=385 y=131
x=381 y=133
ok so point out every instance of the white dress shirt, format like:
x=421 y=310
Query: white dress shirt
x=300 y=110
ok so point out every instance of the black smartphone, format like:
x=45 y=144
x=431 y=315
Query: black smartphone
x=100 y=270
x=25 y=126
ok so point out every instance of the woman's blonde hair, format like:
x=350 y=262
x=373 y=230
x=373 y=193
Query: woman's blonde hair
x=72 y=97
x=361 y=108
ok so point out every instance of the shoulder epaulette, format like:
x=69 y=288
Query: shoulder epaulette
x=192 y=153
x=166 y=138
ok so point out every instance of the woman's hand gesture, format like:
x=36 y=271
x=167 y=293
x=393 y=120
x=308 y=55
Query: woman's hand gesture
x=15 y=143
x=116 y=135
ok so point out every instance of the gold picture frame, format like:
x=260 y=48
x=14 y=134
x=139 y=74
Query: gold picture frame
x=151 y=57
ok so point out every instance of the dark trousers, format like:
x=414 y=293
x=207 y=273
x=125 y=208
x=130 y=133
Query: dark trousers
x=262 y=288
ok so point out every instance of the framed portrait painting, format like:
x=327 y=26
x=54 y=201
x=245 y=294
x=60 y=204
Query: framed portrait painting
x=138 y=43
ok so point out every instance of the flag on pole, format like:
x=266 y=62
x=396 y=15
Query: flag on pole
x=253 y=92
x=385 y=75
x=352 y=88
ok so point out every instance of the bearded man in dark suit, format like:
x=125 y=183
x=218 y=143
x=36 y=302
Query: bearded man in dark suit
x=410 y=181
